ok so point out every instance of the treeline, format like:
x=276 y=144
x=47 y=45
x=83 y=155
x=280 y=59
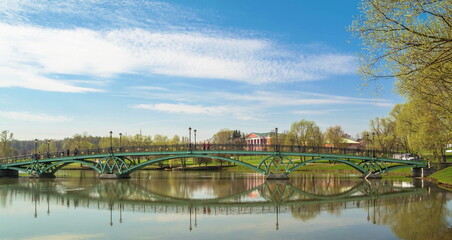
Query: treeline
x=13 y=147
x=401 y=131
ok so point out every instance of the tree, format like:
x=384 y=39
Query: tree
x=5 y=138
x=382 y=134
x=50 y=146
x=305 y=133
x=160 y=140
x=80 y=141
x=410 y=40
x=421 y=130
x=223 y=136
x=335 y=136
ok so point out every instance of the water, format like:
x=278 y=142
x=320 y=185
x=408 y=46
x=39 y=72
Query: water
x=221 y=205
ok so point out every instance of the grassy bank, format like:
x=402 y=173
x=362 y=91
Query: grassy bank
x=443 y=177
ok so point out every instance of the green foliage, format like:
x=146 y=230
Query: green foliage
x=412 y=41
x=418 y=129
x=305 y=133
x=335 y=135
x=5 y=149
x=226 y=136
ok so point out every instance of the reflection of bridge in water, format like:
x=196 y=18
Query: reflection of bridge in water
x=257 y=197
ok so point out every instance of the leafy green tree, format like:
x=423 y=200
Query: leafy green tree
x=5 y=138
x=305 y=133
x=422 y=129
x=411 y=41
x=223 y=136
x=79 y=141
x=160 y=140
x=382 y=133
x=335 y=136
x=44 y=147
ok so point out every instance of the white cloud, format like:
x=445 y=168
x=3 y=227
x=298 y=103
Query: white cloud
x=33 y=117
x=29 y=54
x=182 y=108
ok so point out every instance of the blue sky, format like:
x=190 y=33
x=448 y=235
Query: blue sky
x=70 y=67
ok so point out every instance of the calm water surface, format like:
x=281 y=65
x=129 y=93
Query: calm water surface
x=221 y=205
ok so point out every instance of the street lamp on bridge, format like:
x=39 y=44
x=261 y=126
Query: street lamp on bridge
x=276 y=133
x=195 y=138
x=48 y=148
x=111 y=141
x=189 y=138
x=36 y=148
x=120 y=135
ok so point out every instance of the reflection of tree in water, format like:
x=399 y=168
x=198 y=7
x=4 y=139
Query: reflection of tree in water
x=414 y=217
x=186 y=184
x=410 y=216
x=326 y=186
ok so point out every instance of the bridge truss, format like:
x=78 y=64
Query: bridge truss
x=275 y=161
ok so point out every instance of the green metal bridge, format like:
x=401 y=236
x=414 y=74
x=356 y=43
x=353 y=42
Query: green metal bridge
x=277 y=161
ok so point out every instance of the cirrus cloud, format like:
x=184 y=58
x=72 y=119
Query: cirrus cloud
x=33 y=117
x=30 y=54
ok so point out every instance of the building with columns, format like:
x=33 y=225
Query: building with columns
x=258 y=141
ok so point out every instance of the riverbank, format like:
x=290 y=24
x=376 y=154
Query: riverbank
x=443 y=178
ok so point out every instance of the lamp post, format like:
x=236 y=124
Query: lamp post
x=36 y=149
x=195 y=138
x=373 y=144
x=48 y=148
x=276 y=133
x=189 y=138
x=367 y=143
x=120 y=136
x=111 y=141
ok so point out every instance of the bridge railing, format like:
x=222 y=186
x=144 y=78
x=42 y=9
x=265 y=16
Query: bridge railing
x=201 y=147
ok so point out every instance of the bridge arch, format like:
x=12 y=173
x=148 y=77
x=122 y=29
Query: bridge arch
x=60 y=164
x=149 y=162
x=351 y=164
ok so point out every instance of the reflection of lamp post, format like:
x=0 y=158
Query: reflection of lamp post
x=196 y=221
x=120 y=213
x=195 y=138
x=120 y=135
x=111 y=214
x=190 y=219
x=48 y=205
x=36 y=207
x=111 y=142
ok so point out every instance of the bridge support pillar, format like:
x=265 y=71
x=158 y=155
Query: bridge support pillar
x=371 y=176
x=421 y=172
x=9 y=173
x=113 y=176
x=43 y=175
x=277 y=176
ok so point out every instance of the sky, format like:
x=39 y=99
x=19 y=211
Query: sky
x=160 y=67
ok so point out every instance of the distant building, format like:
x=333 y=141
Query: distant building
x=257 y=141
x=347 y=143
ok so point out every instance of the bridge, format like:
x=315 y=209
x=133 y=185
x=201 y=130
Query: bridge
x=277 y=161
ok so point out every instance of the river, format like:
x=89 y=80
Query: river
x=221 y=205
